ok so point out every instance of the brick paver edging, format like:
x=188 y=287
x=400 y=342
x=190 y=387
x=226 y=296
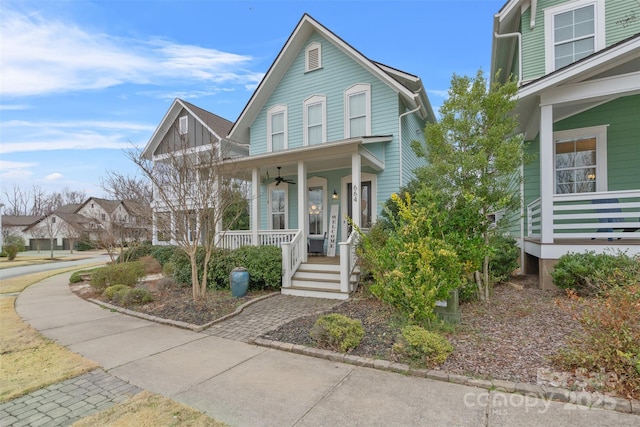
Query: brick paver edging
x=593 y=400
x=177 y=323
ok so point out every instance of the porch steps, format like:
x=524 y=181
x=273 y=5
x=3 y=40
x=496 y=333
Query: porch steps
x=319 y=281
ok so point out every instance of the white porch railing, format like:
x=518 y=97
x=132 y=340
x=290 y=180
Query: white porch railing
x=347 y=261
x=608 y=215
x=293 y=253
x=234 y=239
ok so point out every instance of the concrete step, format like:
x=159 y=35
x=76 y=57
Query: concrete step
x=321 y=276
x=317 y=284
x=307 y=266
x=315 y=293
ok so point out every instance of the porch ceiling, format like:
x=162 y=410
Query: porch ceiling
x=327 y=156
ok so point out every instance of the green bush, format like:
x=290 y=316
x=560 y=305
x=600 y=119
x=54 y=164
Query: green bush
x=609 y=340
x=504 y=257
x=12 y=251
x=134 y=253
x=112 y=290
x=421 y=345
x=337 y=332
x=589 y=273
x=127 y=273
x=76 y=276
x=84 y=245
x=169 y=269
x=17 y=241
x=135 y=296
x=163 y=253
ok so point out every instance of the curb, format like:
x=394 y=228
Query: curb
x=176 y=323
x=592 y=400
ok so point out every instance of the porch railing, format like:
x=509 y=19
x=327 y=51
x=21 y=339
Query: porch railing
x=608 y=215
x=234 y=239
x=292 y=256
x=348 y=260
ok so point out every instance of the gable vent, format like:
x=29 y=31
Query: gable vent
x=313 y=57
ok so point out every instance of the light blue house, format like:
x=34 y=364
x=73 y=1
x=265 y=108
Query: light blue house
x=328 y=135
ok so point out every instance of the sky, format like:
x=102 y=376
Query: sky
x=82 y=81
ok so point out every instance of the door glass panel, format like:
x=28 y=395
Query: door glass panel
x=576 y=166
x=316 y=210
x=365 y=204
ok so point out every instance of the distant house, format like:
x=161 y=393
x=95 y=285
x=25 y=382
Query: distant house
x=60 y=229
x=14 y=225
x=125 y=218
x=578 y=68
x=325 y=137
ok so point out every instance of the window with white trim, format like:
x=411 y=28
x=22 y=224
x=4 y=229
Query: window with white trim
x=572 y=32
x=580 y=160
x=313 y=57
x=315 y=113
x=277 y=128
x=278 y=206
x=183 y=125
x=357 y=110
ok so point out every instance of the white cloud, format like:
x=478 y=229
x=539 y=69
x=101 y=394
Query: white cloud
x=42 y=56
x=13 y=107
x=65 y=141
x=15 y=171
x=79 y=124
x=53 y=177
x=439 y=93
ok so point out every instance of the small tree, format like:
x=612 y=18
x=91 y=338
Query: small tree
x=195 y=190
x=474 y=155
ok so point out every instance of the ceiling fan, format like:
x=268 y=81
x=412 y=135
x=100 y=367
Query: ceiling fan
x=280 y=179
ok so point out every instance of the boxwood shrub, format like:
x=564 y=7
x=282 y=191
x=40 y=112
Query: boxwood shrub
x=127 y=273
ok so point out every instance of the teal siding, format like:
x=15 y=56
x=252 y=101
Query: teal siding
x=412 y=129
x=338 y=73
x=623 y=138
x=619 y=25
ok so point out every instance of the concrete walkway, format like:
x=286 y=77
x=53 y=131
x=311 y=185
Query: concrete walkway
x=246 y=385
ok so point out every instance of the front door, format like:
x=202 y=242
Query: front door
x=365 y=205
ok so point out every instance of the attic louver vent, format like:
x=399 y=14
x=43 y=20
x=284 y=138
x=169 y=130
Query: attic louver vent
x=313 y=57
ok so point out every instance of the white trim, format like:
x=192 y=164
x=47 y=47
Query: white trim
x=357 y=89
x=314 y=100
x=285 y=187
x=277 y=109
x=622 y=85
x=183 y=125
x=312 y=46
x=600 y=133
x=549 y=33
x=318 y=181
x=364 y=177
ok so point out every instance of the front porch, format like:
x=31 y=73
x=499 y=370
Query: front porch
x=602 y=222
x=320 y=276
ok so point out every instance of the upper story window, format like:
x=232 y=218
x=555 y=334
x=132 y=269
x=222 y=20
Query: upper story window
x=313 y=57
x=572 y=32
x=277 y=128
x=183 y=125
x=315 y=113
x=357 y=111
x=580 y=160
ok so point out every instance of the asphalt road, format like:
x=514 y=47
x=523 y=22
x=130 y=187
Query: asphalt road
x=8 y=273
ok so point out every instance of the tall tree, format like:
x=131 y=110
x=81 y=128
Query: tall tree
x=195 y=189
x=474 y=155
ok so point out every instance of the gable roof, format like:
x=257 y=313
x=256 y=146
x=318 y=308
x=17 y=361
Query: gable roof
x=19 y=220
x=72 y=208
x=396 y=79
x=107 y=205
x=216 y=125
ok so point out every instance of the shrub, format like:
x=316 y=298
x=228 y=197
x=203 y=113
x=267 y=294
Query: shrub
x=163 y=253
x=84 y=245
x=504 y=257
x=421 y=345
x=168 y=269
x=337 y=332
x=589 y=273
x=134 y=253
x=112 y=290
x=610 y=338
x=165 y=283
x=135 y=296
x=264 y=264
x=12 y=251
x=76 y=276
x=127 y=273
x=151 y=265
x=17 y=241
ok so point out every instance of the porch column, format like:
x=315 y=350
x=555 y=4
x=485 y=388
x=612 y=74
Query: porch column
x=546 y=173
x=255 y=206
x=356 y=177
x=302 y=203
x=217 y=214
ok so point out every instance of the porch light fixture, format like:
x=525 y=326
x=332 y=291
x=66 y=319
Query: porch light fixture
x=334 y=196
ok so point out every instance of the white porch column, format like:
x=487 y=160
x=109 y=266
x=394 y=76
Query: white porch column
x=302 y=204
x=255 y=206
x=356 y=191
x=217 y=239
x=546 y=173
